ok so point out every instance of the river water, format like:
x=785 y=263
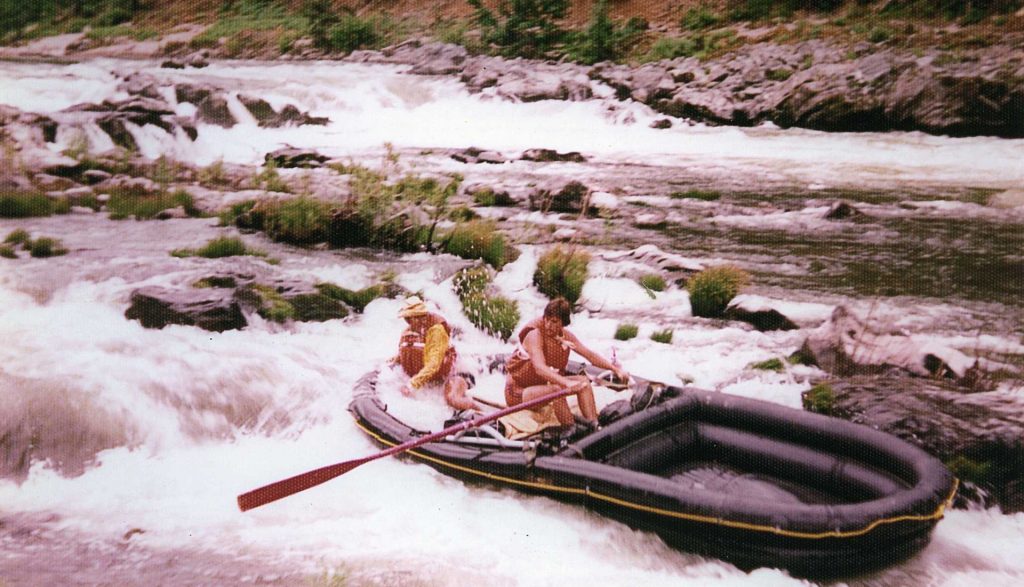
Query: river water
x=124 y=448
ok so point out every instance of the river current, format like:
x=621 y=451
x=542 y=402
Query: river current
x=134 y=443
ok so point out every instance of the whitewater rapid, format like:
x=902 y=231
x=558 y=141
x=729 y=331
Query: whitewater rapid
x=150 y=434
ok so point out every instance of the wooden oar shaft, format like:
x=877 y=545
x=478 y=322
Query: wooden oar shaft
x=303 y=481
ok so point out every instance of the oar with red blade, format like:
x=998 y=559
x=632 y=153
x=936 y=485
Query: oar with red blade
x=285 y=487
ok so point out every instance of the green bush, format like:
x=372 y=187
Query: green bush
x=477 y=240
x=662 y=336
x=7 y=252
x=562 y=272
x=712 y=289
x=820 y=399
x=18 y=236
x=488 y=197
x=626 y=331
x=123 y=204
x=25 y=205
x=702 y=17
x=496 y=315
x=300 y=220
x=769 y=365
x=46 y=247
x=270 y=180
x=352 y=32
x=603 y=40
x=524 y=28
x=653 y=282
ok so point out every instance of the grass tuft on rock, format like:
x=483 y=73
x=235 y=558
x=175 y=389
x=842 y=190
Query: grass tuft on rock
x=7 y=252
x=626 y=331
x=223 y=246
x=774 y=364
x=663 y=336
x=18 y=236
x=477 y=239
x=562 y=271
x=123 y=204
x=652 y=282
x=712 y=289
x=820 y=399
x=46 y=247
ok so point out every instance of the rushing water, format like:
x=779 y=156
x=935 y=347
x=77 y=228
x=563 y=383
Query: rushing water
x=124 y=448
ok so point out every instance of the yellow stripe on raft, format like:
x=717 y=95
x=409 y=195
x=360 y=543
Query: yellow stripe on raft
x=937 y=515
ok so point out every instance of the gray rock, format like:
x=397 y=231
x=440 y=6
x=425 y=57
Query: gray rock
x=208 y=308
x=758 y=315
x=846 y=345
x=290 y=157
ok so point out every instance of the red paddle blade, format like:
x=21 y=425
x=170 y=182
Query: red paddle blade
x=285 y=487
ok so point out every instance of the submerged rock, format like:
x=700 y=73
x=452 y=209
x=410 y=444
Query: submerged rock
x=759 y=315
x=979 y=436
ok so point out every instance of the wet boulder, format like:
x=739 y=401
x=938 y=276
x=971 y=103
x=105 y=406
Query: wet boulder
x=214 y=110
x=290 y=157
x=267 y=117
x=572 y=198
x=844 y=211
x=472 y=155
x=211 y=309
x=758 y=313
x=846 y=345
x=551 y=155
x=980 y=436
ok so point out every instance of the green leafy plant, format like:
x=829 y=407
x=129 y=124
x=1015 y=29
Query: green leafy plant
x=712 y=289
x=270 y=180
x=663 y=336
x=626 y=331
x=562 y=271
x=471 y=281
x=700 y=17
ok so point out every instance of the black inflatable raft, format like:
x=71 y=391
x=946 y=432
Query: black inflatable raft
x=746 y=481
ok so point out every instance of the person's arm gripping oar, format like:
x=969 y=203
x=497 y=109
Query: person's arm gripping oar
x=285 y=487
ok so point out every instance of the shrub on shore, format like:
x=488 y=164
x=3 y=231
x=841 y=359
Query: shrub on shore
x=301 y=220
x=25 y=205
x=712 y=289
x=7 y=252
x=125 y=203
x=562 y=271
x=626 y=331
x=18 y=236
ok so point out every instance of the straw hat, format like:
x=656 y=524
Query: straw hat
x=413 y=307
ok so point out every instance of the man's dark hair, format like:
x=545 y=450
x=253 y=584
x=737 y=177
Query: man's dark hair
x=559 y=308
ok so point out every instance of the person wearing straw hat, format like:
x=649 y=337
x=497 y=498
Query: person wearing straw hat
x=427 y=356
